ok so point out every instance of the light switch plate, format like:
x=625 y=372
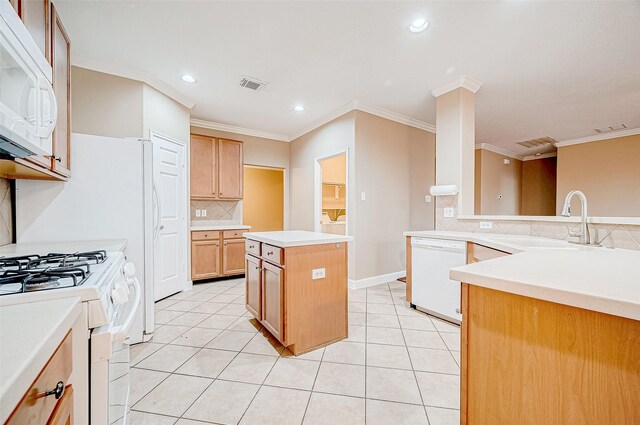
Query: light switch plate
x=198 y=213
x=449 y=212
x=486 y=225
x=318 y=274
x=363 y=196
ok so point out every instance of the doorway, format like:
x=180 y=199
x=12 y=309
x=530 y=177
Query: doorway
x=331 y=194
x=169 y=198
x=263 y=202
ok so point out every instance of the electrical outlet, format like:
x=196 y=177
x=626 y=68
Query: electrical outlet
x=486 y=225
x=318 y=274
x=204 y=213
x=198 y=213
x=427 y=199
x=449 y=212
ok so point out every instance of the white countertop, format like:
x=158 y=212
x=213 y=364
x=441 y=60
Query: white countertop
x=195 y=226
x=42 y=248
x=594 y=278
x=290 y=238
x=30 y=333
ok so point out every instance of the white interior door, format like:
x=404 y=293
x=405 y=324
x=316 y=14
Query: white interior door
x=170 y=221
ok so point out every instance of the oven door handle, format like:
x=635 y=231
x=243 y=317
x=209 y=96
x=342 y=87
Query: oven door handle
x=121 y=332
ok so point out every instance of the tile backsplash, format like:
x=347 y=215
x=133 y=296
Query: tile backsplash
x=218 y=212
x=6 y=216
x=609 y=235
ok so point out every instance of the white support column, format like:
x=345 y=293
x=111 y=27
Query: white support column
x=455 y=139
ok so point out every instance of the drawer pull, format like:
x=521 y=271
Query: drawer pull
x=270 y=253
x=251 y=246
x=58 y=391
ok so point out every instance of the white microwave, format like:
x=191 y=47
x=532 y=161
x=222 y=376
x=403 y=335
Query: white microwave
x=28 y=108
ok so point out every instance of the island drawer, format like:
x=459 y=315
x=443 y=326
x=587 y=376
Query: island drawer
x=204 y=235
x=232 y=234
x=273 y=254
x=252 y=247
x=35 y=408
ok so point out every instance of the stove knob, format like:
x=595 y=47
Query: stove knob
x=118 y=296
x=129 y=269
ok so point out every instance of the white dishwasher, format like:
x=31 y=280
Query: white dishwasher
x=431 y=289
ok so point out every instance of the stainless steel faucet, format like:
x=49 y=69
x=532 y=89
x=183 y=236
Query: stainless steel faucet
x=566 y=211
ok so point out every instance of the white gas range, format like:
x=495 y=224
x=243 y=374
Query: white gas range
x=107 y=286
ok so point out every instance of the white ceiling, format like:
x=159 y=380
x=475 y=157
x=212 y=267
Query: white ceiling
x=557 y=69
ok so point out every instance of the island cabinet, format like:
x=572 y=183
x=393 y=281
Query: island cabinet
x=298 y=293
x=530 y=361
x=50 y=398
x=216 y=253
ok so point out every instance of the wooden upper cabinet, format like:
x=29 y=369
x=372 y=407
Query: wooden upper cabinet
x=230 y=169
x=61 y=60
x=36 y=16
x=203 y=167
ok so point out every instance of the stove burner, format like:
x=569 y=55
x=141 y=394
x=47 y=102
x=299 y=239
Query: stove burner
x=51 y=271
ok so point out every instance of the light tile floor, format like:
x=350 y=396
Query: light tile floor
x=210 y=362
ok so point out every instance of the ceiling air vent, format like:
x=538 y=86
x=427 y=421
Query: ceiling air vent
x=252 y=83
x=536 y=143
x=610 y=128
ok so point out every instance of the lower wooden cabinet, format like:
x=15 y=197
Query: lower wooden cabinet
x=233 y=256
x=213 y=254
x=272 y=297
x=205 y=259
x=57 y=407
x=253 y=282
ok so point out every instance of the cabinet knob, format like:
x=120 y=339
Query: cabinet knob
x=251 y=246
x=58 y=391
x=57 y=158
x=270 y=253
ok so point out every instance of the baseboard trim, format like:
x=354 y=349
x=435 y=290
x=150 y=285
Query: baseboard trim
x=375 y=280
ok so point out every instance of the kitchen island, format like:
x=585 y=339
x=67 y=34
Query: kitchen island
x=551 y=335
x=297 y=286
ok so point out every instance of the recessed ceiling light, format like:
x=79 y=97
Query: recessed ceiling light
x=419 y=25
x=298 y=108
x=188 y=78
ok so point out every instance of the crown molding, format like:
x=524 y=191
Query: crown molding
x=542 y=156
x=368 y=108
x=393 y=116
x=132 y=74
x=346 y=108
x=463 y=81
x=238 y=130
x=499 y=151
x=599 y=137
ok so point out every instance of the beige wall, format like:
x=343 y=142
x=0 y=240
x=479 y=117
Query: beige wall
x=263 y=205
x=163 y=115
x=329 y=139
x=395 y=166
x=106 y=105
x=261 y=152
x=539 y=187
x=500 y=184
x=608 y=172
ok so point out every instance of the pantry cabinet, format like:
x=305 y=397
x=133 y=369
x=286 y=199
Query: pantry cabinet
x=217 y=253
x=216 y=168
x=45 y=26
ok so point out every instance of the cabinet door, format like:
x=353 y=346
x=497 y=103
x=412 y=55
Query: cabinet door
x=205 y=259
x=63 y=413
x=272 y=300
x=203 y=167
x=36 y=16
x=61 y=60
x=230 y=169
x=233 y=256
x=253 y=282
